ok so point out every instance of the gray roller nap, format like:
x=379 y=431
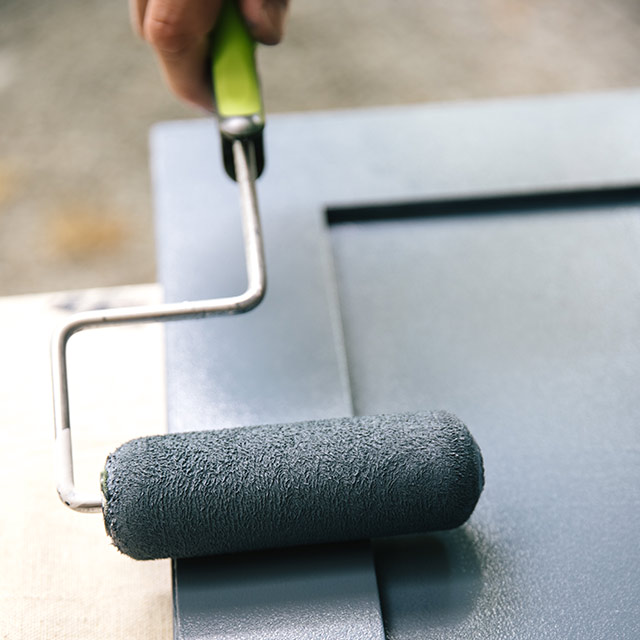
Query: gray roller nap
x=210 y=492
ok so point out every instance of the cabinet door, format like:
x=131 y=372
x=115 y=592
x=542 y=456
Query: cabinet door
x=481 y=258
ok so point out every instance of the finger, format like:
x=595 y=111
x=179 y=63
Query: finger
x=265 y=19
x=178 y=31
x=136 y=14
x=187 y=75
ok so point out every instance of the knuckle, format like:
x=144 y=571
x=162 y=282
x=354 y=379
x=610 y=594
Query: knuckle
x=167 y=35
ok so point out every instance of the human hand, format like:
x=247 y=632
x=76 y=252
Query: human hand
x=178 y=31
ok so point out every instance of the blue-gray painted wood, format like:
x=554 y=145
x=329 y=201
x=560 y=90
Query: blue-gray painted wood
x=533 y=349
x=314 y=592
x=283 y=362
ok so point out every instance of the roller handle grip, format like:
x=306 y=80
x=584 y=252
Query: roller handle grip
x=236 y=87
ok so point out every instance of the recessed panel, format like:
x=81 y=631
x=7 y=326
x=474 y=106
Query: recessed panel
x=526 y=324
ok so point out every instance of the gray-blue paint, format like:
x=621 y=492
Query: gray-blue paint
x=221 y=491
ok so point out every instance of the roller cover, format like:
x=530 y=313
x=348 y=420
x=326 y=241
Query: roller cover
x=210 y=492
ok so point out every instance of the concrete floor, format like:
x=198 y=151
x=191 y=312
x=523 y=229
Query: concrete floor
x=78 y=93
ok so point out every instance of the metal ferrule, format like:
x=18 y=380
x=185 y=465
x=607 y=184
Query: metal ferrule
x=241 y=126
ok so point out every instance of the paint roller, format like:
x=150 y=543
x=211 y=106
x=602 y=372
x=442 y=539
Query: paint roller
x=258 y=487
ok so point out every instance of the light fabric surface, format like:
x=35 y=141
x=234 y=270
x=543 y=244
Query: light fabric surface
x=59 y=575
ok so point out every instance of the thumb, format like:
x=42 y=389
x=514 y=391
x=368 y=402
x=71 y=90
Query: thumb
x=265 y=19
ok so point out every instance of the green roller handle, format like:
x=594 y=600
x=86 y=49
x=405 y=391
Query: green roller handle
x=234 y=76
